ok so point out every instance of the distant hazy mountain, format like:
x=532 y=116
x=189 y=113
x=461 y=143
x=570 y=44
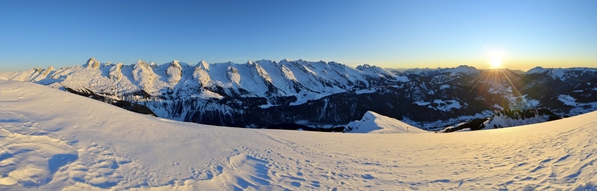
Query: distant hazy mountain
x=320 y=94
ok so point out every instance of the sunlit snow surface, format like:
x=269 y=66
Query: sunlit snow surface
x=53 y=140
x=375 y=123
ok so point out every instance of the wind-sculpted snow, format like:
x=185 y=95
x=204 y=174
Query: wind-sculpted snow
x=53 y=140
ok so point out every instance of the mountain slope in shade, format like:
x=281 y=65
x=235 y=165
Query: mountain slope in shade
x=376 y=123
x=53 y=140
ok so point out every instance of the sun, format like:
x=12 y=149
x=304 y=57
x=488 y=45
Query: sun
x=495 y=62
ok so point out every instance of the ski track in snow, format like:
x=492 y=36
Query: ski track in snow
x=94 y=146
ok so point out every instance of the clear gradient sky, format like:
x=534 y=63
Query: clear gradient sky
x=392 y=33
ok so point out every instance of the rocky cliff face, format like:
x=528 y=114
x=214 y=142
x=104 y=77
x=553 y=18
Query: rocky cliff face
x=322 y=94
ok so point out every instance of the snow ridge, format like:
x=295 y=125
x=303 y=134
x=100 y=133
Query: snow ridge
x=375 y=123
x=561 y=73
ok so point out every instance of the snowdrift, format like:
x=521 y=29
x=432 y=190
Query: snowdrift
x=53 y=140
x=375 y=123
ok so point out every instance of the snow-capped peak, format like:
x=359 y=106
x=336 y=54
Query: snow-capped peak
x=375 y=123
x=562 y=73
x=92 y=63
x=174 y=72
x=536 y=70
x=140 y=62
x=375 y=71
x=203 y=65
x=463 y=69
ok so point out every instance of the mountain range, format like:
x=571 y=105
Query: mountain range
x=321 y=94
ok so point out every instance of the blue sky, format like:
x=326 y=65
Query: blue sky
x=394 y=33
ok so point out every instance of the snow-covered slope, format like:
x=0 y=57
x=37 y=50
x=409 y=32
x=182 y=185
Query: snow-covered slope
x=375 y=123
x=562 y=73
x=502 y=121
x=53 y=140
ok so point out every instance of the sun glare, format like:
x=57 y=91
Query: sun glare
x=495 y=62
x=495 y=59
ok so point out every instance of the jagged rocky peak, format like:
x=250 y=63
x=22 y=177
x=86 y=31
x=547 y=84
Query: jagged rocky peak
x=360 y=67
x=285 y=60
x=233 y=74
x=140 y=63
x=201 y=73
x=367 y=67
x=268 y=62
x=372 y=70
x=175 y=64
x=93 y=63
x=115 y=72
x=202 y=65
x=47 y=71
x=333 y=63
x=174 y=71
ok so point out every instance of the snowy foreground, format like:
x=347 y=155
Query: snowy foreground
x=52 y=140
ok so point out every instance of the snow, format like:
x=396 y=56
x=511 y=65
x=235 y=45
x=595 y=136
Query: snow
x=463 y=69
x=288 y=73
x=376 y=71
x=442 y=105
x=263 y=78
x=402 y=79
x=366 y=91
x=580 y=107
x=440 y=124
x=536 y=70
x=92 y=63
x=144 y=75
x=174 y=72
x=567 y=100
x=116 y=72
x=422 y=103
x=375 y=123
x=53 y=140
x=560 y=73
x=446 y=105
x=503 y=121
x=532 y=103
x=206 y=94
